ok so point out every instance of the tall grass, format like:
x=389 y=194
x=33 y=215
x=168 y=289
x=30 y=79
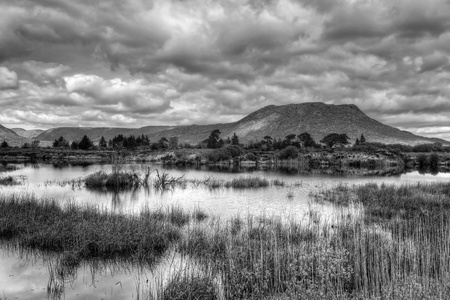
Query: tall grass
x=240 y=182
x=119 y=179
x=247 y=182
x=89 y=231
x=345 y=259
x=398 y=247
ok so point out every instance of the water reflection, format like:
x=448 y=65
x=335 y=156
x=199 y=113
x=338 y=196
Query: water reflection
x=28 y=274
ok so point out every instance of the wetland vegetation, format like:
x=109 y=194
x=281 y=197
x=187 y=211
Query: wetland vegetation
x=385 y=242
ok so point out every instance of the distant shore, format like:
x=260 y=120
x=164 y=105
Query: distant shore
x=193 y=157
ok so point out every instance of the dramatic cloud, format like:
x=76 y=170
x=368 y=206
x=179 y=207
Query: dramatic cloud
x=8 y=79
x=136 y=62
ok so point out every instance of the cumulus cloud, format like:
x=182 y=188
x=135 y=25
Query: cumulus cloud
x=8 y=79
x=136 y=62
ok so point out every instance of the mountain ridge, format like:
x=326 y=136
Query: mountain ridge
x=29 y=134
x=317 y=118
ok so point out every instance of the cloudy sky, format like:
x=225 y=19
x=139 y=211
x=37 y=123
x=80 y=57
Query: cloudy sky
x=132 y=63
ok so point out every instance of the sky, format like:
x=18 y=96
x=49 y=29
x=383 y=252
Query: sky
x=134 y=63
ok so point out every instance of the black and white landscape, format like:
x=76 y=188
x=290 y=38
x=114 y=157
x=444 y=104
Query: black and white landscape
x=256 y=149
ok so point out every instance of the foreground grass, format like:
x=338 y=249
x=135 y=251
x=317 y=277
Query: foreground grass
x=398 y=248
x=352 y=256
x=87 y=231
x=386 y=202
x=346 y=259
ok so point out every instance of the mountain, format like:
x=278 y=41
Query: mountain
x=319 y=119
x=11 y=137
x=76 y=133
x=29 y=134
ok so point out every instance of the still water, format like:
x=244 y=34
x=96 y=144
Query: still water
x=26 y=276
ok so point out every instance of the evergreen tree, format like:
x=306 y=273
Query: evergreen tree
x=102 y=142
x=74 y=145
x=85 y=143
x=61 y=142
x=4 y=144
x=235 y=140
x=362 y=139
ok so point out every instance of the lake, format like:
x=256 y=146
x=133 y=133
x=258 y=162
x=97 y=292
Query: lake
x=26 y=275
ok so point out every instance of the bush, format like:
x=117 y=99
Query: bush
x=288 y=152
x=251 y=157
x=225 y=153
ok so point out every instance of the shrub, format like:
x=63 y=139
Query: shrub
x=288 y=152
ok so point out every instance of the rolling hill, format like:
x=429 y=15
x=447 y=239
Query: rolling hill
x=319 y=119
x=29 y=134
x=11 y=137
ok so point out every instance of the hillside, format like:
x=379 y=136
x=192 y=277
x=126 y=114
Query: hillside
x=29 y=134
x=11 y=137
x=317 y=118
x=76 y=133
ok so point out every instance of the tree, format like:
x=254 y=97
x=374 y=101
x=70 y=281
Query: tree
x=268 y=139
x=289 y=152
x=235 y=139
x=35 y=144
x=267 y=142
x=61 y=142
x=4 y=144
x=214 y=141
x=362 y=139
x=85 y=143
x=289 y=138
x=74 y=145
x=163 y=143
x=306 y=140
x=102 y=143
x=335 y=139
x=357 y=142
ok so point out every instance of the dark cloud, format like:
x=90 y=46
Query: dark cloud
x=136 y=62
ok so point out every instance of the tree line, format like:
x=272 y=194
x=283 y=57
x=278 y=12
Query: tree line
x=214 y=141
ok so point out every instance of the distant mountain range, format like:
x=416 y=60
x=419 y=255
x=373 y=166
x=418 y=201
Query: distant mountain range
x=29 y=134
x=317 y=118
x=11 y=136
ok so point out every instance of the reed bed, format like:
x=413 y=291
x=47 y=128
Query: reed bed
x=120 y=179
x=241 y=182
x=345 y=259
x=89 y=231
x=384 y=202
x=397 y=248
